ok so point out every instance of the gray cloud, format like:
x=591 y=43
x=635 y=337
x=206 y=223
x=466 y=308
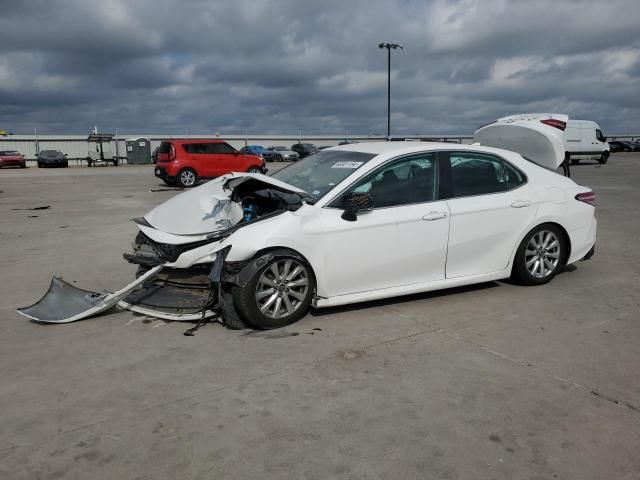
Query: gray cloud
x=283 y=66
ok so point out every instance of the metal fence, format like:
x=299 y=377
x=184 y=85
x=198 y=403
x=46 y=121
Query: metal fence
x=77 y=147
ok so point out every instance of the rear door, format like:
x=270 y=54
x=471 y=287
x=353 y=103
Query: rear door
x=490 y=205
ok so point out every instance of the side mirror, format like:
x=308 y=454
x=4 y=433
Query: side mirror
x=356 y=202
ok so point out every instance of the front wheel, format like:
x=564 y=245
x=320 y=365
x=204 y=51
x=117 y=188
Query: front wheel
x=187 y=178
x=278 y=294
x=254 y=170
x=539 y=256
x=604 y=158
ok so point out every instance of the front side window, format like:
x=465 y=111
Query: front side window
x=476 y=174
x=599 y=135
x=404 y=182
x=220 y=148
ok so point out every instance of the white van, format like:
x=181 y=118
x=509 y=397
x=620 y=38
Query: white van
x=583 y=140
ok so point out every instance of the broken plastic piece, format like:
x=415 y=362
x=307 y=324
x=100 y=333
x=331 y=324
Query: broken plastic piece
x=64 y=303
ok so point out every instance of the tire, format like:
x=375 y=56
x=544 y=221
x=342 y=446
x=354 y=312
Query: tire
x=299 y=296
x=254 y=170
x=65 y=165
x=39 y=165
x=528 y=253
x=230 y=317
x=115 y=162
x=187 y=178
x=604 y=158
x=575 y=161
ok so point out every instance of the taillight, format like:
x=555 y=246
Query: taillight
x=172 y=153
x=559 y=124
x=587 y=197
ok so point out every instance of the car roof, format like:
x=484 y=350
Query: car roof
x=379 y=148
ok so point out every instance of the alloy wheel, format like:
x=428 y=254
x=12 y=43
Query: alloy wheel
x=187 y=178
x=282 y=288
x=254 y=170
x=542 y=254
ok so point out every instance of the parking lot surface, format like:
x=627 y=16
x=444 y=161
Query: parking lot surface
x=493 y=381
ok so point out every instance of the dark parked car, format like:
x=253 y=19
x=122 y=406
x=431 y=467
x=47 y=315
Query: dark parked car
x=11 y=158
x=304 y=149
x=52 y=158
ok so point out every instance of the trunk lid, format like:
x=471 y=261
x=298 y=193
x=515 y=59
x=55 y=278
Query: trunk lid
x=539 y=137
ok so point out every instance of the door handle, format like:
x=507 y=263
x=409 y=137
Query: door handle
x=429 y=217
x=521 y=203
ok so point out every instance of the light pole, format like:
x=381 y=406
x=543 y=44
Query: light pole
x=389 y=46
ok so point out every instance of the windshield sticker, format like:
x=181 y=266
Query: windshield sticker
x=346 y=164
x=315 y=193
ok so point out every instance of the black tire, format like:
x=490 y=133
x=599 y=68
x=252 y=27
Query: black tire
x=115 y=162
x=39 y=165
x=520 y=271
x=604 y=158
x=187 y=178
x=575 y=161
x=65 y=165
x=246 y=304
x=254 y=169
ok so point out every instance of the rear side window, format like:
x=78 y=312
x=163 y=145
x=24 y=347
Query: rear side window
x=165 y=147
x=195 y=147
x=481 y=174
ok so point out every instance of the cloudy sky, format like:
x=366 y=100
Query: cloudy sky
x=284 y=66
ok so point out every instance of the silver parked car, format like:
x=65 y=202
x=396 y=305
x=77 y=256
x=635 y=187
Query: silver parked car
x=280 y=154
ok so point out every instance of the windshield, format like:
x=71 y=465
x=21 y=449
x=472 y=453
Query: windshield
x=317 y=174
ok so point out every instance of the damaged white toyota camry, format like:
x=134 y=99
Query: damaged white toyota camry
x=349 y=224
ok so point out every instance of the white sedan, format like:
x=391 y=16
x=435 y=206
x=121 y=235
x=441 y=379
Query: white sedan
x=349 y=224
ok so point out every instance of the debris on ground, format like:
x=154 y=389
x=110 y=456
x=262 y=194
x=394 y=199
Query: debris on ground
x=45 y=207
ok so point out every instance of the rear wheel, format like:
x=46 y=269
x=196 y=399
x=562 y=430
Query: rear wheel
x=278 y=294
x=604 y=158
x=539 y=256
x=187 y=178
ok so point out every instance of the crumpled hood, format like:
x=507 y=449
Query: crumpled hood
x=206 y=208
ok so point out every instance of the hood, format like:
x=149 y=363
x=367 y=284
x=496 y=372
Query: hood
x=208 y=208
x=539 y=137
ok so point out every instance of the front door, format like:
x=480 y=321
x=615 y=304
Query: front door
x=401 y=241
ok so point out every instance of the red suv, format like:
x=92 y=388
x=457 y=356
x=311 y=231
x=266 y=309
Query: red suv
x=184 y=162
